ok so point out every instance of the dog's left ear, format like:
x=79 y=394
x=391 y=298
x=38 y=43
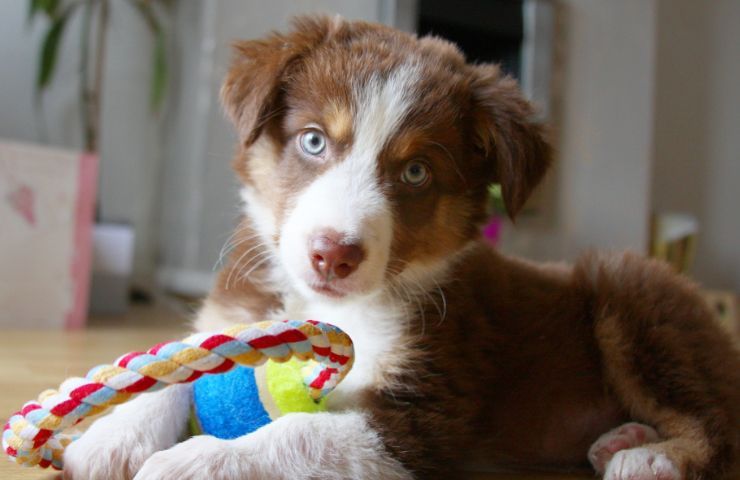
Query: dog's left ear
x=513 y=146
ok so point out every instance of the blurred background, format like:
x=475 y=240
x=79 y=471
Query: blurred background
x=642 y=96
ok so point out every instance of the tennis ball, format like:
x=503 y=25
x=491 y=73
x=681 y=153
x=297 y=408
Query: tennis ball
x=241 y=401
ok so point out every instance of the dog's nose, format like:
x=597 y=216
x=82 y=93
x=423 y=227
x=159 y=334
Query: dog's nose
x=331 y=257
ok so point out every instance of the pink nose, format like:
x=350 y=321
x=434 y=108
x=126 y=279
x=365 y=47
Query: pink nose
x=331 y=257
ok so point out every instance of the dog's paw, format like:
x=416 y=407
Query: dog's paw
x=629 y=435
x=198 y=458
x=108 y=452
x=116 y=445
x=641 y=464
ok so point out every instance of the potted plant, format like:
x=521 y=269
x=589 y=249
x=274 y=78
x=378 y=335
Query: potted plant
x=113 y=244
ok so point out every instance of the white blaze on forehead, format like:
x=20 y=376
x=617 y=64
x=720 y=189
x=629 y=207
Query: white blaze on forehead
x=380 y=106
x=351 y=188
x=348 y=198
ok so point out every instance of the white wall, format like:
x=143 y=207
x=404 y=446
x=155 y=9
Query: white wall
x=606 y=130
x=598 y=195
x=130 y=139
x=697 y=129
x=649 y=121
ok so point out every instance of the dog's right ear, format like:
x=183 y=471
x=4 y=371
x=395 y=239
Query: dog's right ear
x=251 y=92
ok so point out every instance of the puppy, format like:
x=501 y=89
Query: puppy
x=364 y=155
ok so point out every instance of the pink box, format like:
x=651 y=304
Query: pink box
x=47 y=203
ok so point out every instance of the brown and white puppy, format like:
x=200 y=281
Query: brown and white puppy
x=364 y=155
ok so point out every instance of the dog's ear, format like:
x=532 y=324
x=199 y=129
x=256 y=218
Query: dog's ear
x=515 y=151
x=251 y=91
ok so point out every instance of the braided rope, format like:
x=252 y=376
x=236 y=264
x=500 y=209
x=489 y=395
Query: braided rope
x=33 y=436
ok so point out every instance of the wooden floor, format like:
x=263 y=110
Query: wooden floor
x=32 y=361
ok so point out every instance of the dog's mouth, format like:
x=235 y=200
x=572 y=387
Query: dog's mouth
x=339 y=289
x=327 y=290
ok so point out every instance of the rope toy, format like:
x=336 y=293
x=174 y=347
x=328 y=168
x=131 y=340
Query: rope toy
x=34 y=435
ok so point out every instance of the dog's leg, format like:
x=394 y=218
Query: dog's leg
x=669 y=365
x=116 y=445
x=329 y=446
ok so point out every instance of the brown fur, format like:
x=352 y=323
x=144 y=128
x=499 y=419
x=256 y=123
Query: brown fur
x=531 y=363
x=551 y=360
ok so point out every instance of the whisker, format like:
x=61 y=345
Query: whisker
x=229 y=247
x=238 y=231
x=422 y=290
x=253 y=258
x=400 y=292
x=238 y=261
x=221 y=253
x=412 y=296
x=267 y=258
x=405 y=302
x=393 y=293
x=443 y=315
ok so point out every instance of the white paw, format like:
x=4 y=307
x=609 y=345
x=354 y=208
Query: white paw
x=198 y=458
x=298 y=446
x=629 y=435
x=641 y=464
x=110 y=451
x=116 y=446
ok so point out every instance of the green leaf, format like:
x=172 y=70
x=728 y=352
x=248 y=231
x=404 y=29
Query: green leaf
x=34 y=6
x=147 y=14
x=159 y=73
x=49 y=7
x=49 y=50
x=159 y=54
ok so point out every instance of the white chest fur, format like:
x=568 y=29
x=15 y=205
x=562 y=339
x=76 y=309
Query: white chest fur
x=376 y=326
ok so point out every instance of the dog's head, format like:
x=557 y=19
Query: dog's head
x=366 y=152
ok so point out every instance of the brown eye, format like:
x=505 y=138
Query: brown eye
x=415 y=174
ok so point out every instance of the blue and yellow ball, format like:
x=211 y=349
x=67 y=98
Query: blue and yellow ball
x=233 y=404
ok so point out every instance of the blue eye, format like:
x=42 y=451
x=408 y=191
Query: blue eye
x=415 y=174
x=313 y=142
